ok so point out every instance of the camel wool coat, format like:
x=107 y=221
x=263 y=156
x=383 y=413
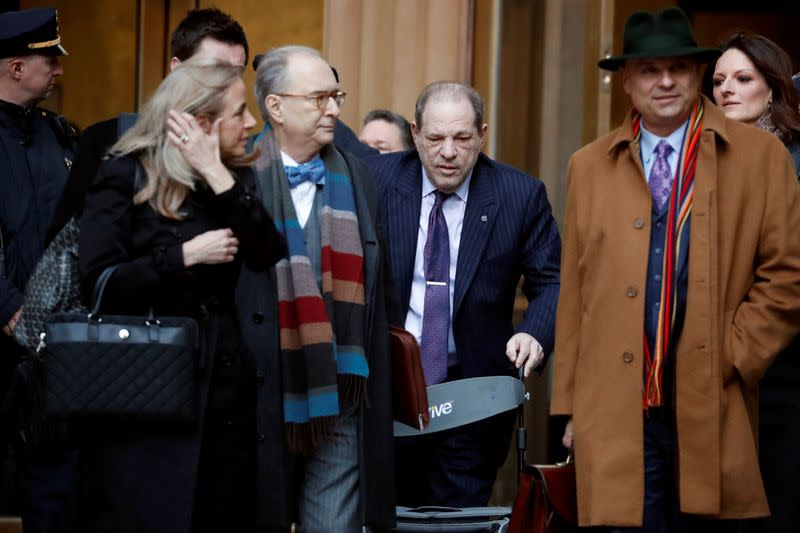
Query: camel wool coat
x=743 y=307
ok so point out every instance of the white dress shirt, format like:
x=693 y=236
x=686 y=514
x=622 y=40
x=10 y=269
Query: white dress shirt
x=302 y=195
x=648 y=148
x=453 y=209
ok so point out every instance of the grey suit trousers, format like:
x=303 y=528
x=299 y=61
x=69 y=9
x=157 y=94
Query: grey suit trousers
x=329 y=496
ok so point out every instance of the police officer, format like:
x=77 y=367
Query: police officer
x=36 y=152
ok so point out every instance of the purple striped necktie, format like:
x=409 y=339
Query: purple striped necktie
x=436 y=313
x=660 y=180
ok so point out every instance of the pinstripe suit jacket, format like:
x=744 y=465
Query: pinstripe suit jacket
x=508 y=232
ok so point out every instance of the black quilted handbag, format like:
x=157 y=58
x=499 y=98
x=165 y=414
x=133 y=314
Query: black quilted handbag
x=120 y=367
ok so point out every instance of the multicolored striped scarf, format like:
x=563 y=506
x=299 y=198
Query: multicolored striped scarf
x=680 y=208
x=321 y=332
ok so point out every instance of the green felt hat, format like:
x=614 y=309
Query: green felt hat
x=666 y=33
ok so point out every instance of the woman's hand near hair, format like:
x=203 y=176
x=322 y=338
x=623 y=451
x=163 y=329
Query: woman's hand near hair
x=200 y=149
x=211 y=248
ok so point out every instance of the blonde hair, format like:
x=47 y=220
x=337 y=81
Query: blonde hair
x=196 y=86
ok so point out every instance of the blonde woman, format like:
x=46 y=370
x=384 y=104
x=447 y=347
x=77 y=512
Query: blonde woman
x=177 y=211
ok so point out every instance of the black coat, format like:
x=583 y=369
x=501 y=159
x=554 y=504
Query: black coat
x=36 y=151
x=257 y=303
x=145 y=478
x=93 y=145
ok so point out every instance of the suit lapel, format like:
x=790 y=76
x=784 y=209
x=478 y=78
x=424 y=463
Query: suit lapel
x=404 y=208
x=479 y=220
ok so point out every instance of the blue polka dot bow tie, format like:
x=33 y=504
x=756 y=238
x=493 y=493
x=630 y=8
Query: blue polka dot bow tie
x=313 y=171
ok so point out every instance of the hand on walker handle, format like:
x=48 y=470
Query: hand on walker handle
x=523 y=349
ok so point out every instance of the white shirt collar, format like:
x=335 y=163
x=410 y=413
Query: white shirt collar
x=289 y=162
x=462 y=192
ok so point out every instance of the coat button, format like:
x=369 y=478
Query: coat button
x=260 y=437
x=638 y=223
x=627 y=357
x=258 y=318
x=631 y=292
x=259 y=378
x=227 y=360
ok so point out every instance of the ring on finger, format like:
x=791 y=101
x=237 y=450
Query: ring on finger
x=185 y=139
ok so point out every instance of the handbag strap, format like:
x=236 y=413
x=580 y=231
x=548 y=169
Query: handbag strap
x=99 y=289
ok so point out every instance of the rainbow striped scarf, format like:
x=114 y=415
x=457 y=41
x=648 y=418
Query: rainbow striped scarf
x=680 y=208
x=323 y=362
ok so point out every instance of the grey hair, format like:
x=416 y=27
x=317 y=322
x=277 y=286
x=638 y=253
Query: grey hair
x=450 y=90
x=272 y=73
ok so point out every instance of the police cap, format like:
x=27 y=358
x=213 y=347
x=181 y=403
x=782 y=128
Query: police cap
x=33 y=31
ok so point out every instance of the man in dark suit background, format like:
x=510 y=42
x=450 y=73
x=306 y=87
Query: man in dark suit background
x=462 y=229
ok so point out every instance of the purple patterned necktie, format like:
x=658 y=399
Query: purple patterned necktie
x=660 y=175
x=436 y=313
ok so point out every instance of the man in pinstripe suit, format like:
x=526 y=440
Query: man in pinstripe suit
x=447 y=208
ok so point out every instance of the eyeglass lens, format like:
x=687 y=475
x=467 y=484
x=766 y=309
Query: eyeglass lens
x=338 y=97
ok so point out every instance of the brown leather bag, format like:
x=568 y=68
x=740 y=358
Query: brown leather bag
x=409 y=394
x=546 y=500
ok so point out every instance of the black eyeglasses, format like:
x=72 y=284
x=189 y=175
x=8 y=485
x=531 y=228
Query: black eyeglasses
x=320 y=99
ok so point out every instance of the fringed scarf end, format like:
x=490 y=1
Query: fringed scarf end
x=304 y=439
x=353 y=390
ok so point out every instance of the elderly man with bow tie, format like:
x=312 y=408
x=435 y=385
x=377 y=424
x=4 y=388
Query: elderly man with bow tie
x=318 y=322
